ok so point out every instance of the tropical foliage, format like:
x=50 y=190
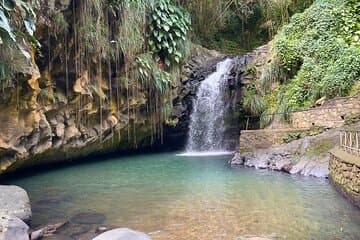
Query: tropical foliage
x=236 y=26
x=315 y=56
x=168 y=30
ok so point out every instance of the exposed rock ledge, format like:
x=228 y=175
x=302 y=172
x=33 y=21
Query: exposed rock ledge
x=308 y=156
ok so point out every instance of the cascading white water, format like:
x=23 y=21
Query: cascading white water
x=206 y=131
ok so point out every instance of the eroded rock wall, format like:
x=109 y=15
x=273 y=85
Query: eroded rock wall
x=37 y=128
x=60 y=109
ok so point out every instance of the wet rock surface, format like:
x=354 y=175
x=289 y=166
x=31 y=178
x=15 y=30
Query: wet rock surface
x=14 y=202
x=13 y=228
x=122 y=234
x=197 y=69
x=308 y=156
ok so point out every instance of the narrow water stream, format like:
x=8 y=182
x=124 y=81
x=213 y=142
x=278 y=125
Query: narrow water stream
x=175 y=197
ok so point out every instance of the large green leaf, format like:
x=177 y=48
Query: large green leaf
x=4 y=24
x=166 y=27
x=29 y=25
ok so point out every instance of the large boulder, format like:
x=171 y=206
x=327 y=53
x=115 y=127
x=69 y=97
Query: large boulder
x=13 y=228
x=122 y=234
x=14 y=202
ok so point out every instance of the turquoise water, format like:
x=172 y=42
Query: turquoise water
x=178 y=197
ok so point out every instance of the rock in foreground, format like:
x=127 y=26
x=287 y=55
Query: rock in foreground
x=14 y=202
x=12 y=228
x=122 y=234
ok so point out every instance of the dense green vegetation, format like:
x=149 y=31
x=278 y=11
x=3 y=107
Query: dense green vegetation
x=237 y=26
x=139 y=45
x=317 y=55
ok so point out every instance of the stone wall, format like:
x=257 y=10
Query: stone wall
x=330 y=115
x=344 y=172
x=251 y=140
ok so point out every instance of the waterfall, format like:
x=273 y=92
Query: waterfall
x=206 y=130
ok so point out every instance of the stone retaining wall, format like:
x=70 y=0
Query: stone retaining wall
x=344 y=172
x=330 y=115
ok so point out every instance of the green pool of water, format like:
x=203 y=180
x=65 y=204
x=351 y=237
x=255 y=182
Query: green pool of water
x=177 y=197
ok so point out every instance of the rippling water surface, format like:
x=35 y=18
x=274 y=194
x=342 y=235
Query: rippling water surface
x=181 y=197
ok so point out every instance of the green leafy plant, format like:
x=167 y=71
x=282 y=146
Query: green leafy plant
x=316 y=55
x=253 y=102
x=354 y=118
x=289 y=137
x=168 y=29
x=151 y=75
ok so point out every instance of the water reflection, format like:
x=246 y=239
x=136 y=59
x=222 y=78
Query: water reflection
x=175 y=197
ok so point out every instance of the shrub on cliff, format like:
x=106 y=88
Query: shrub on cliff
x=318 y=53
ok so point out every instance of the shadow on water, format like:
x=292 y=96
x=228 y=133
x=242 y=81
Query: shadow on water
x=29 y=171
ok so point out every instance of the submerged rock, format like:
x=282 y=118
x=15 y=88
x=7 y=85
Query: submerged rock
x=237 y=159
x=122 y=234
x=88 y=218
x=14 y=202
x=13 y=228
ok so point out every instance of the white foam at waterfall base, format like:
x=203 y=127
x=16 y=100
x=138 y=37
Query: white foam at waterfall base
x=206 y=130
x=204 y=153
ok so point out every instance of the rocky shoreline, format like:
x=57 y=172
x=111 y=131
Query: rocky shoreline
x=15 y=221
x=308 y=156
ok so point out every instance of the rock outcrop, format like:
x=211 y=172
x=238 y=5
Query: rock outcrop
x=308 y=156
x=37 y=130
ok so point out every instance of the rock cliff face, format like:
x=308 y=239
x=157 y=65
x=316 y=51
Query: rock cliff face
x=38 y=129
x=65 y=106
x=35 y=129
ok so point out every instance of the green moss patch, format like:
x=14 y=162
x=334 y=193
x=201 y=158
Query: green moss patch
x=321 y=147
